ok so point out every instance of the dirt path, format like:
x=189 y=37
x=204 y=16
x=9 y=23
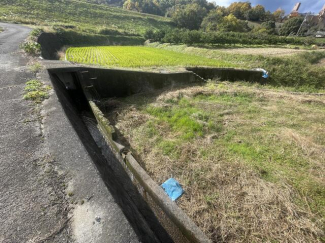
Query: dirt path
x=263 y=51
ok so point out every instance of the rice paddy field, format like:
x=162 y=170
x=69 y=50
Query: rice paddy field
x=138 y=56
x=249 y=157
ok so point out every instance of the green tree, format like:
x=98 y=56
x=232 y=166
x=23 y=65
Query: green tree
x=132 y=5
x=269 y=16
x=256 y=14
x=151 y=6
x=279 y=15
x=231 y=23
x=212 y=20
x=165 y=5
x=189 y=16
x=238 y=9
x=267 y=27
x=291 y=26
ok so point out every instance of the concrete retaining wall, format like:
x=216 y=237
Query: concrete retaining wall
x=228 y=74
x=119 y=83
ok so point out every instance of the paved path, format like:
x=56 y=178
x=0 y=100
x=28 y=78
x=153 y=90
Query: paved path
x=42 y=161
x=32 y=206
x=50 y=188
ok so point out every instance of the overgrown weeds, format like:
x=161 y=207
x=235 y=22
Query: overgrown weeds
x=30 y=45
x=35 y=67
x=250 y=158
x=36 y=91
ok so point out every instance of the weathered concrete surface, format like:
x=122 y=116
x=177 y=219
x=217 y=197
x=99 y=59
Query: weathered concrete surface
x=122 y=193
x=96 y=217
x=32 y=203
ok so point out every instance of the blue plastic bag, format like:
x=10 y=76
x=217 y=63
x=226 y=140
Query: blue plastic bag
x=172 y=188
x=265 y=73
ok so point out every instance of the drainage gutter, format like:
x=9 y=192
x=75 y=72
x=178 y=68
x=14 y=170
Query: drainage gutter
x=150 y=188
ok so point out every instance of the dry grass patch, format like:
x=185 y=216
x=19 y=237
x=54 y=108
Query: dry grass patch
x=251 y=159
x=279 y=52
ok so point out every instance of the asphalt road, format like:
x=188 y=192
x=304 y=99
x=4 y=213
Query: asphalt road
x=32 y=204
x=50 y=187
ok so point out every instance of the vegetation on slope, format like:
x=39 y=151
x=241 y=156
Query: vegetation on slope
x=79 y=16
x=299 y=71
x=223 y=38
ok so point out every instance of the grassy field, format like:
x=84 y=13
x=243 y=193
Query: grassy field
x=79 y=16
x=250 y=157
x=137 y=56
x=298 y=70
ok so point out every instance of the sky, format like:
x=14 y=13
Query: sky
x=313 y=6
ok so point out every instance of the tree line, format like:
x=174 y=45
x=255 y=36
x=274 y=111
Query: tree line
x=184 y=36
x=208 y=17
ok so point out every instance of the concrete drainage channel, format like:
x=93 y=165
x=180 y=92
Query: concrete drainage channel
x=153 y=216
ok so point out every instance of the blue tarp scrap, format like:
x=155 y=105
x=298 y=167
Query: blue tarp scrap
x=265 y=73
x=172 y=188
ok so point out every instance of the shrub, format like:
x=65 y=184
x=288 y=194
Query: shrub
x=31 y=47
x=291 y=26
x=36 y=32
x=106 y=31
x=221 y=38
x=149 y=35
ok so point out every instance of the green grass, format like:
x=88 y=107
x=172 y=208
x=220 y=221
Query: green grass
x=80 y=16
x=210 y=138
x=180 y=118
x=137 y=56
x=298 y=71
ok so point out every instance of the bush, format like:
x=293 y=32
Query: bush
x=106 y=31
x=291 y=26
x=36 y=32
x=31 y=47
x=189 y=16
x=149 y=35
x=221 y=38
x=191 y=37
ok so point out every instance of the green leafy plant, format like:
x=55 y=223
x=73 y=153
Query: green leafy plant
x=31 y=47
x=36 y=91
x=36 y=32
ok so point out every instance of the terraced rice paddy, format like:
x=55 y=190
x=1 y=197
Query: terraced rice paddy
x=137 y=56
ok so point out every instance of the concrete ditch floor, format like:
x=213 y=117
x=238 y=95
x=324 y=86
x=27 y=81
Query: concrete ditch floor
x=50 y=191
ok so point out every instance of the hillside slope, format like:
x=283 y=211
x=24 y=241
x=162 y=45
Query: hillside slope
x=83 y=16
